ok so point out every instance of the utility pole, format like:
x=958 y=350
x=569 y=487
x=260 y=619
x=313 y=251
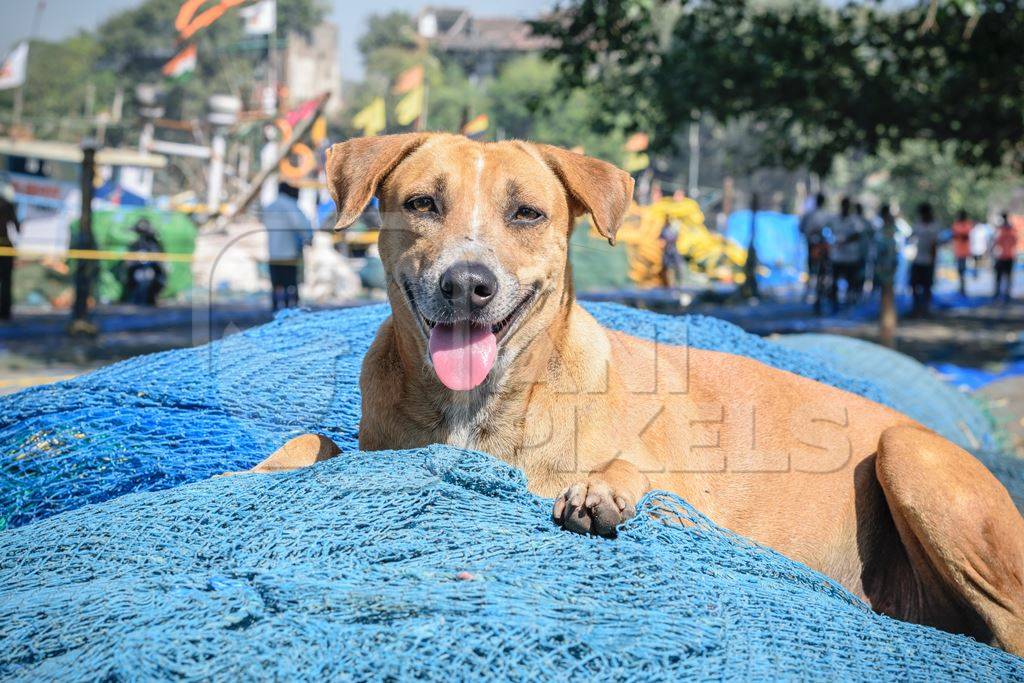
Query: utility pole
x=149 y=101
x=85 y=269
x=222 y=114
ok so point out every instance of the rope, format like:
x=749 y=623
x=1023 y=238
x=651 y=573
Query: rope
x=96 y=255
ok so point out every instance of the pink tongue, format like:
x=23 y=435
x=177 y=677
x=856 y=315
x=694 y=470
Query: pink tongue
x=462 y=354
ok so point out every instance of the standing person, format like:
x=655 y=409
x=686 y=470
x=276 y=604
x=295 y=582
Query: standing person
x=8 y=224
x=143 y=280
x=845 y=253
x=922 y=271
x=671 y=260
x=1005 y=249
x=981 y=243
x=864 y=244
x=288 y=230
x=962 y=228
x=887 y=258
x=813 y=225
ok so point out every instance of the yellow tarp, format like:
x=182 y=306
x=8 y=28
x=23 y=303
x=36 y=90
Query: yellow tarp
x=706 y=252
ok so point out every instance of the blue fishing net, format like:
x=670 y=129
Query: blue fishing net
x=435 y=563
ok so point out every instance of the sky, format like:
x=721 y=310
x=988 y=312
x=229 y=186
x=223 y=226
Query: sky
x=62 y=18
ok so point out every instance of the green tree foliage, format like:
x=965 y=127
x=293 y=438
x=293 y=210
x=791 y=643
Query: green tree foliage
x=525 y=100
x=138 y=41
x=926 y=171
x=130 y=48
x=394 y=30
x=822 y=79
x=61 y=82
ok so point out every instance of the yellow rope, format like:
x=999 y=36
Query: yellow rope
x=96 y=255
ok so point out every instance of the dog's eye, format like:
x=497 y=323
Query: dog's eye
x=421 y=205
x=526 y=214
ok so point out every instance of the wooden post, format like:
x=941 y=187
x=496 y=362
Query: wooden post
x=85 y=269
x=887 y=316
x=749 y=288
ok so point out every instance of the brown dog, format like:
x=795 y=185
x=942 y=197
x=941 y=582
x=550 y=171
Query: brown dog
x=486 y=349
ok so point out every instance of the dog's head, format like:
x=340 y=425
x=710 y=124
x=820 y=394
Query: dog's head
x=475 y=237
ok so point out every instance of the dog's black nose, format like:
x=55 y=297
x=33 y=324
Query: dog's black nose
x=469 y=285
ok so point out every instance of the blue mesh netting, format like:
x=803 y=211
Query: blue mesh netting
x=353 y=568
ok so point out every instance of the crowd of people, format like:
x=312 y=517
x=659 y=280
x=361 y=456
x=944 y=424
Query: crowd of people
x=846 y=252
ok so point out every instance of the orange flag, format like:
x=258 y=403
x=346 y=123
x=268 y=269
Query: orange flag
x=637 y=142
x=409 y=79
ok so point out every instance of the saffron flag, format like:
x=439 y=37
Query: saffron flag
x=408 y=80
x=12 y=71
x=372 y=118
x=637 y=142
x=190 y=19
x=410 y=107
x=182 y=64
x=476 y=126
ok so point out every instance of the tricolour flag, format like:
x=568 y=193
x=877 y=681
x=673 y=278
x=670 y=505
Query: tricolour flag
x=372 y=118
x=260 y=18
x=12 y=71
x=476 y=126
x=408 y=80
x=182 y=64
x=410 y=107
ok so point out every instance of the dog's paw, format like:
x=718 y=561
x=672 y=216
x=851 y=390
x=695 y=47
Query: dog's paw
x=592 y=507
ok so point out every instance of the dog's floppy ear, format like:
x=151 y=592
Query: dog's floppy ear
x=356 y=167
x=594 y=186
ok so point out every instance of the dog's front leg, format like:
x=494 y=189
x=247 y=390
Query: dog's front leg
x=602 y=501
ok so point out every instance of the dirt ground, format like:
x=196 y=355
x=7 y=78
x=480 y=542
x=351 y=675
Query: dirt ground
x=982 y=337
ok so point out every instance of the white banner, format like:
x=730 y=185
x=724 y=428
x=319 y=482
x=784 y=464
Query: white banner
x=12 y=71
x=260 y=18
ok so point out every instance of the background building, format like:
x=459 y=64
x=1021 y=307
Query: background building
x=480 y=45
x=313 y=66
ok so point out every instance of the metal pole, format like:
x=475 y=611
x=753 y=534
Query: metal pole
x=85 y=268
x=216 y=174
x=19 y=94
x=272 y=63
x=145 y=140
x=19 y=103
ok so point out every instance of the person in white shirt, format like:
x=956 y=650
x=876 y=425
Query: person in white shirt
x=981 y=241
x=845 y=253
x=925 y=238
x=288 y=230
